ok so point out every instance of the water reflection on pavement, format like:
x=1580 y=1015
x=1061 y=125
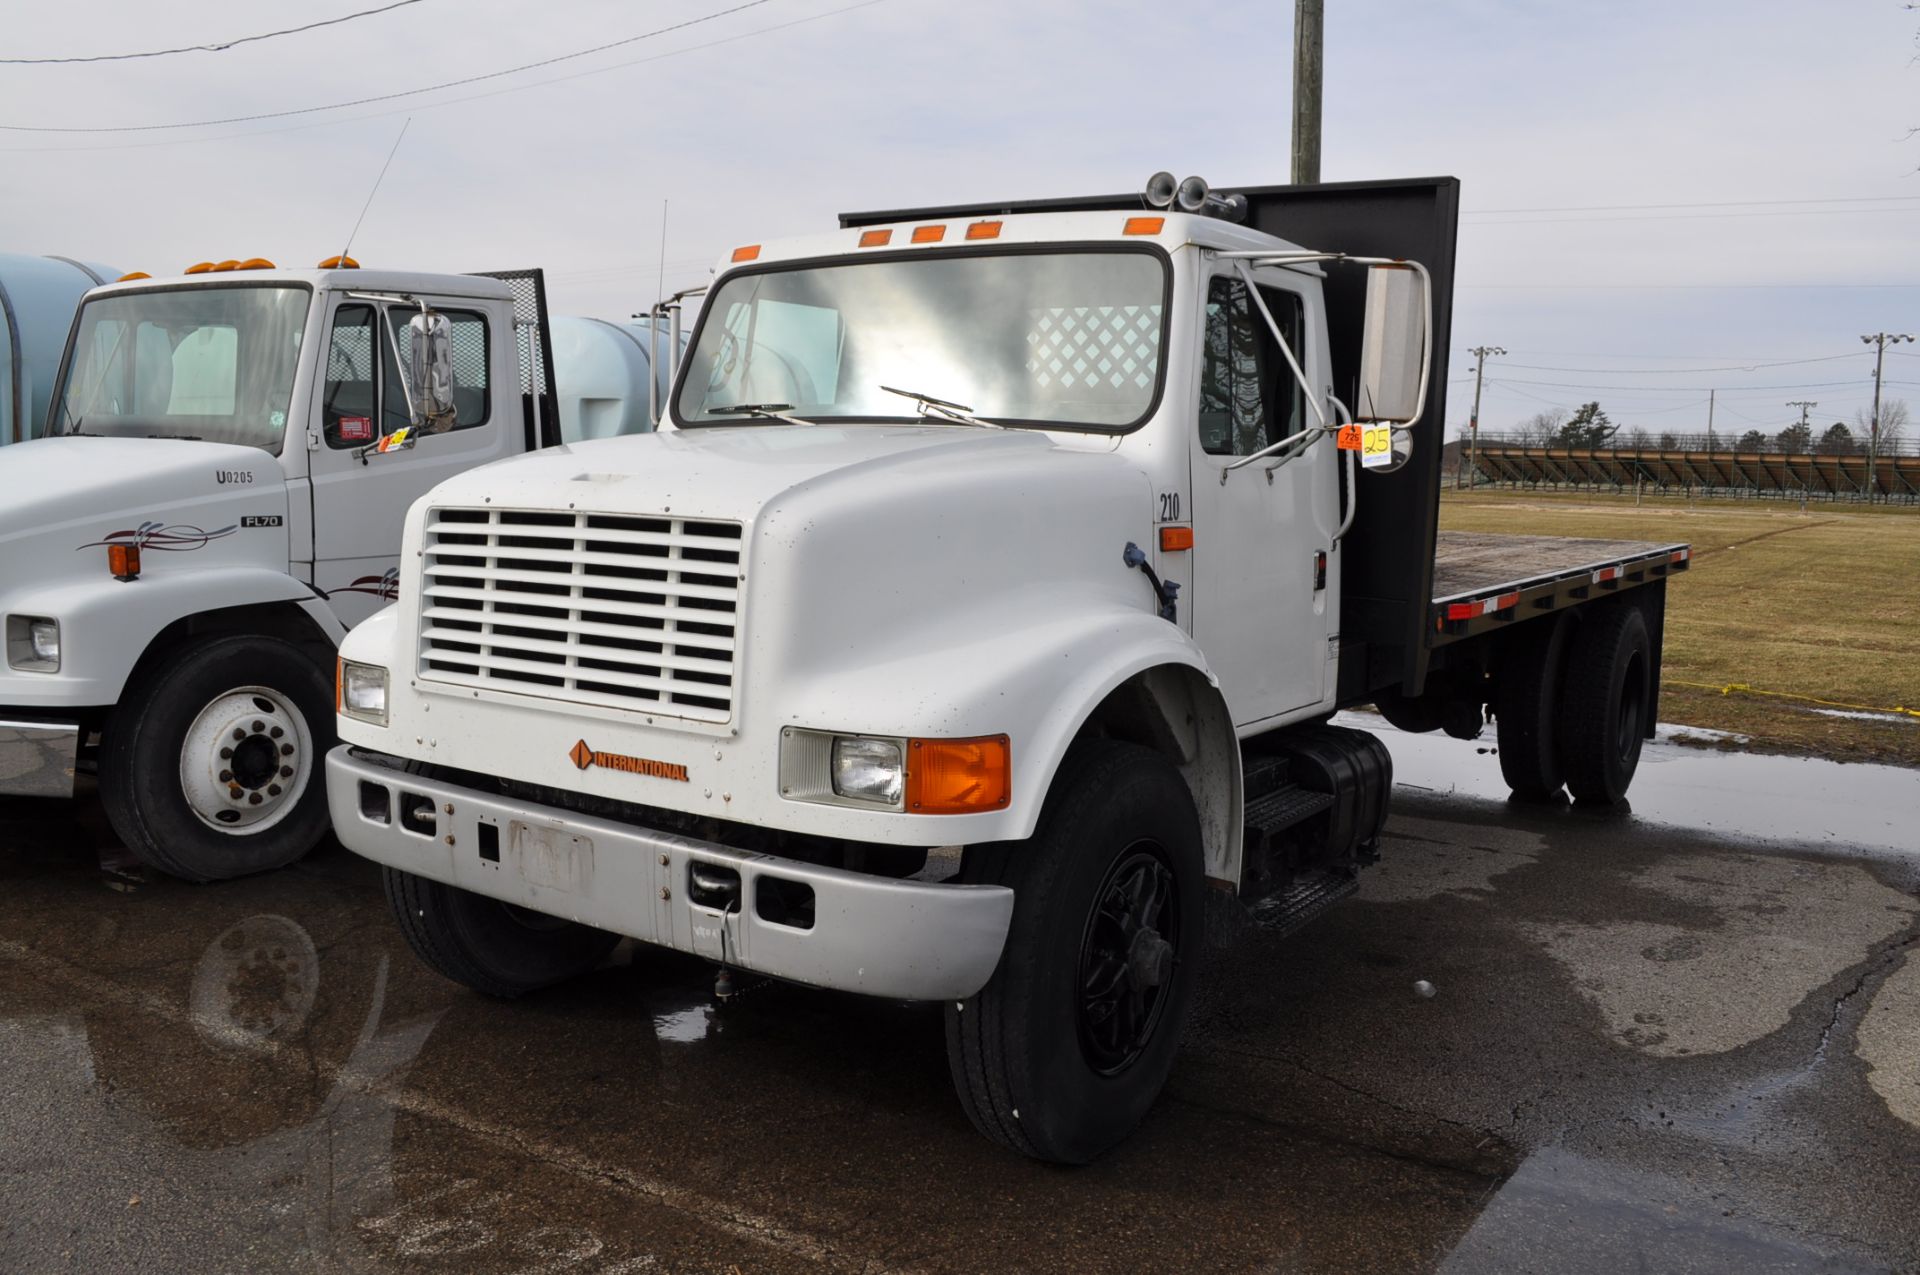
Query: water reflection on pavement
x=259 y=1075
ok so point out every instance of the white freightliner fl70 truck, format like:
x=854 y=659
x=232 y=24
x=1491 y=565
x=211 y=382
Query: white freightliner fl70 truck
x=206 y=518
x=969 y=630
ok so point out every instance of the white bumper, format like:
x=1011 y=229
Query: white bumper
x=905 y=940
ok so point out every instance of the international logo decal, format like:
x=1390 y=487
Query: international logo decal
x=585 y=757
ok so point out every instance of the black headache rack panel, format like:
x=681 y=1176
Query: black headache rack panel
x=1388 y=567
x=533 y=342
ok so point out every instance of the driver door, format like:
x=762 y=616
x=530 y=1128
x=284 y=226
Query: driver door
x=360 y=504
x=1259 y=595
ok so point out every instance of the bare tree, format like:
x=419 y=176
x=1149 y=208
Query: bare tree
x=1894 y=419
x=1638 y=438
x=1541 y=428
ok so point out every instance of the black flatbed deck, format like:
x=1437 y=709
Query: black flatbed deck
x=1482 y=580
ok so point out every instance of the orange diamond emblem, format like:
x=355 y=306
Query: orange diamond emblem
x=582 y=755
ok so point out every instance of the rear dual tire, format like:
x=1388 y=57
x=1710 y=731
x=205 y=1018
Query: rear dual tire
x=1572 y=705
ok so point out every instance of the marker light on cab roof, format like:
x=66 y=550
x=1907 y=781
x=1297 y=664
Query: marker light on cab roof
x=1144 y=226
x=876 y=238
x=929 y=234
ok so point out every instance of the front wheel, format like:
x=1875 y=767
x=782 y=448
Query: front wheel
x=210 y=768
x=493 y=947
x=1062 y=1053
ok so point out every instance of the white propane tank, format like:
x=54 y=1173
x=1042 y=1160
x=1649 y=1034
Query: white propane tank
x=601 y=371
x=38 y=297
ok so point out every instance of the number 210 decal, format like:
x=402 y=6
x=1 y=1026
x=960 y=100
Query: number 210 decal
x=1169 y=506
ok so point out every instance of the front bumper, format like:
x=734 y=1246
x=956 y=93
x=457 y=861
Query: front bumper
x=37 y=758
x=905 y=940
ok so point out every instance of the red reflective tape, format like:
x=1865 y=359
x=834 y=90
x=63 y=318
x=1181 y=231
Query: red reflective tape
x=1505 y=602
x=1462 y=610
x=1481 y=606
x=1681 y=555
x=1607 y=573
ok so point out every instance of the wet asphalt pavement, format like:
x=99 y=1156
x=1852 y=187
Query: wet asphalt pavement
x=1657 y=1042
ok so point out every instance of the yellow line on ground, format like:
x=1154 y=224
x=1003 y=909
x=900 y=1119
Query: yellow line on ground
x=1741 y=688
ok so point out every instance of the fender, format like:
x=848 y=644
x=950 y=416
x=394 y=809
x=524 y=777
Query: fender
x=106 y=625
x=1043 y=685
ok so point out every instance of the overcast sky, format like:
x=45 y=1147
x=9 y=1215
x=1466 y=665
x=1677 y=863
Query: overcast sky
x=769 y=120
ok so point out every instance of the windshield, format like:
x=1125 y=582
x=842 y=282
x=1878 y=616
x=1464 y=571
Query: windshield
x=1069 y=339
x=212 y=363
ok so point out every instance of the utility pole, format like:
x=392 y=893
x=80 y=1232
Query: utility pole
x=1480 y=353
x=1880 y=341
x=1710 y=394
x=1805 y=406
x=1308 y=30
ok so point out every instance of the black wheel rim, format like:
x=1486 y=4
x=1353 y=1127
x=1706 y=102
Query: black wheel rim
x=1129 y=950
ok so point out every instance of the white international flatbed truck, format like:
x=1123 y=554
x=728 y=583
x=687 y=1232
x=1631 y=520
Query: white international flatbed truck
x=970 y=628
x=208 y=515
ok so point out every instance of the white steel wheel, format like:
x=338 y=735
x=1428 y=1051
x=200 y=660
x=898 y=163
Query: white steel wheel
x=247 y=759
x=210 y=764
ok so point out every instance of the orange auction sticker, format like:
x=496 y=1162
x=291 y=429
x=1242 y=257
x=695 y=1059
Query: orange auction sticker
x=1348 y=438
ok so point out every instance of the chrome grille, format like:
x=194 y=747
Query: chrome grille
x=612 y=609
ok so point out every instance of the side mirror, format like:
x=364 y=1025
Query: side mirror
x=1394 y=350
x=430 y=372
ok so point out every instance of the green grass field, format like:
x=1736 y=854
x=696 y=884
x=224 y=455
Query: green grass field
x=1823 y=604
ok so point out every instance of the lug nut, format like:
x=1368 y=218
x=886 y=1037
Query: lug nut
x=286 y=750
x=225 y=753
x=286 y=772
x=276 y=732
x=239 y=734
x=236 y=792
x=254 y=799
x=273 y=790
x=258 y=727
x=226 y=776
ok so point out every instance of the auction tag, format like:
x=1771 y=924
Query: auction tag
x=1348 y=439
x=1376 y=446
x=356 y=429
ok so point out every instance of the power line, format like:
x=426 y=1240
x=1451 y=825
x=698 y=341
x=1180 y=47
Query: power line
x=453 y=101
x=1675 y=371
x=1670 y=389
x=388 y=97
x=1715 y=216
x=219 y=46
x=1634 y=287
x=1711 y=203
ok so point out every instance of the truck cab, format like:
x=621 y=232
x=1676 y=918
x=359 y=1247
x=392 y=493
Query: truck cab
x=209 y=512
x=967 y=632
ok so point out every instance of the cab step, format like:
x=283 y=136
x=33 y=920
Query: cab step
x=1282 y=808
x=1302 y=902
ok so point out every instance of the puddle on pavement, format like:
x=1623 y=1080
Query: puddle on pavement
x=1754 y=796
x=1567 y=1213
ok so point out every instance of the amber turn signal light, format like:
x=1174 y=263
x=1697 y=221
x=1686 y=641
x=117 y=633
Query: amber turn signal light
x=1173 y=539
x=124 y=561
x=959 y=776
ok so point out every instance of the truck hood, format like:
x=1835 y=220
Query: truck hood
x=187 y=503
x=732 y=471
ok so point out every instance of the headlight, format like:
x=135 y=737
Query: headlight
x=33 y=643
x=363 y=692
x=868 y=769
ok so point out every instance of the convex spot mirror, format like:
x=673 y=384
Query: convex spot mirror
x=1393 y=350
x=430 y=372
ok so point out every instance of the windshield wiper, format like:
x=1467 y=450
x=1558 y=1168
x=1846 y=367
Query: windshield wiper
x=766 y=411
x=931 y=408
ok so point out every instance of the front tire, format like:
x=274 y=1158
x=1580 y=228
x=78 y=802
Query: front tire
x=1605 y=704
x=210 y=768
x=1062 y=1053
x=493 y=947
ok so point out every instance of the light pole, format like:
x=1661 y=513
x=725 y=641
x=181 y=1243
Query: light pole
x=1880 y=341
x=1480 y=354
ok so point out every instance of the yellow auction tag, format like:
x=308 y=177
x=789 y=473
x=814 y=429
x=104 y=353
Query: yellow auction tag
x=1376 y=446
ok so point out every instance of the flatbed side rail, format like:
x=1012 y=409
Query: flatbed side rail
x=1481 y=611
